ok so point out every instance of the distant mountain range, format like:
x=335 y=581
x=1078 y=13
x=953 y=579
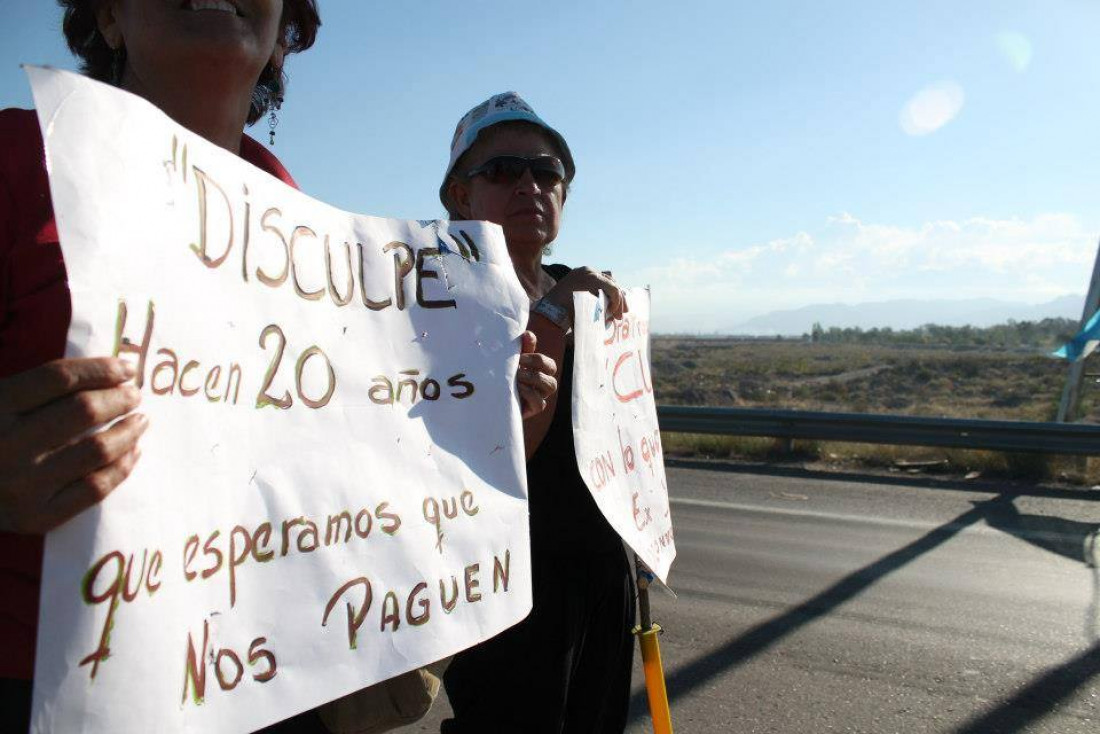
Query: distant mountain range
x=908 y=314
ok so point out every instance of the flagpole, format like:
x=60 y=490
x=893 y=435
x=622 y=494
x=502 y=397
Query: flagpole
x=647 y=633
x=1071 y=393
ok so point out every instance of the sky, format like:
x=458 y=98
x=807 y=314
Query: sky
x=738 y=157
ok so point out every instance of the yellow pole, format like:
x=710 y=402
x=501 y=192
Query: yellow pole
x=647 y=633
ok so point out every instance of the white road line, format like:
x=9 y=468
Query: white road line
x=818 y=515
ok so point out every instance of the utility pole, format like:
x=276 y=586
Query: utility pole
x=1071 y=393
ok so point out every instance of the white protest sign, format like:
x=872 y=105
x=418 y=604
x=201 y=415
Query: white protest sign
x=332 y=487
x=615 y=431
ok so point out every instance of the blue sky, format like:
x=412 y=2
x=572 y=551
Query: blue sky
x=739 y=157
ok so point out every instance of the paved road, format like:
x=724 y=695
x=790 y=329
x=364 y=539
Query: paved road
x=812 y=602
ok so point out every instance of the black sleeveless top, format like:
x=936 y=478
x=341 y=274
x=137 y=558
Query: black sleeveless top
x=565 y=520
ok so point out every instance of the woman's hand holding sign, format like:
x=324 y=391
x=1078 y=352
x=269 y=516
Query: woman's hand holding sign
x=54 y=460
x=586 y=279
x=535 y=377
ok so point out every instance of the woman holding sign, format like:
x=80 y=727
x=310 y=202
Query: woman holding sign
x=566 y=668
x=212 y=65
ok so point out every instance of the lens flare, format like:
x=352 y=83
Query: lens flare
x=1016 y=48
x=931 y=108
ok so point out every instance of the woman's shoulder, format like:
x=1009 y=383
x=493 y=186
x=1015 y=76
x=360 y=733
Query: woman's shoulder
x=556 y=270
x=23 y=158
x=16 y=119
x=259 y=156
x=20 y=133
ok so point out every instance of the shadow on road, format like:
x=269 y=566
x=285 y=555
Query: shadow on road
x=757 y=639
x=1059 y=536
x=1038 y=697
x=1072 y=539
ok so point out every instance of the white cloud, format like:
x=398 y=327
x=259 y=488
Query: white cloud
x=931 y=108
x=685 y=271
x=851 y=260
x=995 y=245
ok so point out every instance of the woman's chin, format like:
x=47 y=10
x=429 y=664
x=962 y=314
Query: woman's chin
x=533 y=234
x=525 y=247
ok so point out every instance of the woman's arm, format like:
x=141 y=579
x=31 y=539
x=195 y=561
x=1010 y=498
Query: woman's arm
x=551 y=338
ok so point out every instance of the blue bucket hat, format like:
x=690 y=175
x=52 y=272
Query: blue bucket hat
x=503 y=107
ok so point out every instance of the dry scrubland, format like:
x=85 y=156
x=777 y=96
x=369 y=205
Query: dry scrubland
x=1009 y=384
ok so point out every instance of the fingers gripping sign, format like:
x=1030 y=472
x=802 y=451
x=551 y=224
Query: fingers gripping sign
x=587 y=280
x=56 y=456
x=535 y=378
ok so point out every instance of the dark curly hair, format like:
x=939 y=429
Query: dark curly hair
x=300 y=23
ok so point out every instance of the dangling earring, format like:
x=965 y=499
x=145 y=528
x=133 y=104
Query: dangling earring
x=274 y=103
x=272 y=123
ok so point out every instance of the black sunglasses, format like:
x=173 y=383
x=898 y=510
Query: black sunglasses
x=508 y=169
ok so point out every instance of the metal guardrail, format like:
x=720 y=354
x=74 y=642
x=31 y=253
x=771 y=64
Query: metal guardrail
x=1022 y=436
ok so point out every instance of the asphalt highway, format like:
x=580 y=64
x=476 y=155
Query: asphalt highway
x=818 y=602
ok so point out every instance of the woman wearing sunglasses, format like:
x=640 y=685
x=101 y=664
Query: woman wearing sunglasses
x=213 y=66
x=566 y=668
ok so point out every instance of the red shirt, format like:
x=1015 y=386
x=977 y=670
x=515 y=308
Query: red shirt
x=34 y=321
